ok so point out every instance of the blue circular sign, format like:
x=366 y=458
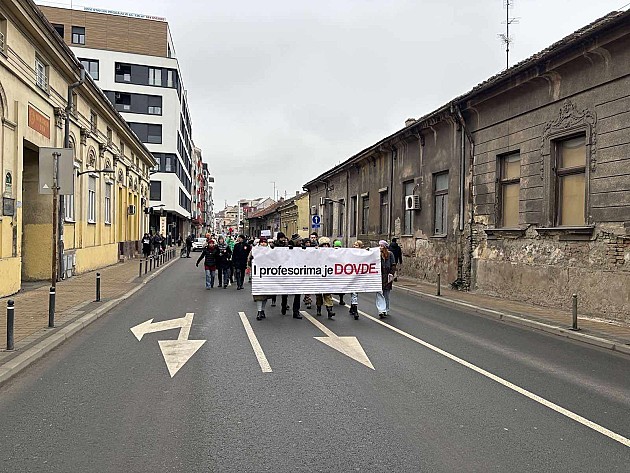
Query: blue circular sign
x=316 y=219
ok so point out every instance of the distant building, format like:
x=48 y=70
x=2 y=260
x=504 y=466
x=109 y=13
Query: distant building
x=132 y=58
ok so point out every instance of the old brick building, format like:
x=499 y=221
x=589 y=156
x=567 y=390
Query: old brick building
x=519 y=188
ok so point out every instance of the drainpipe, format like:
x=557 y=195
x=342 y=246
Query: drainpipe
x=66 y=144
x=465 y=133
x=346 y=231
x=391 y=196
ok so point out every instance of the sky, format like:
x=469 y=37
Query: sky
x=280 y=91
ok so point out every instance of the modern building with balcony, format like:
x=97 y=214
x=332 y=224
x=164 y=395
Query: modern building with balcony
x=132 y=59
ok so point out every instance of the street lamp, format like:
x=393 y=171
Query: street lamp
x=98 y=171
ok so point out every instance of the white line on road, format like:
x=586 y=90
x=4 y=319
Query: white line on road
x=565 y=412
x=258 y=351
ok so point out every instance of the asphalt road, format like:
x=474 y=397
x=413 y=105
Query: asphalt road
x=106 y=402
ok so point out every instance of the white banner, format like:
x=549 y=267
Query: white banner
x=315 y=270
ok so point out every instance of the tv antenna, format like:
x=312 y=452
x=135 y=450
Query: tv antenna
x=506 y=38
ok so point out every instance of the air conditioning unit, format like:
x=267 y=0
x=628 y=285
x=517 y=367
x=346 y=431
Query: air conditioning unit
x=412 y=202
x=131 y=210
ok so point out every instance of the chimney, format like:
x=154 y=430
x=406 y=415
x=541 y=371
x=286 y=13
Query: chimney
x=410 y=121
x=297 y=193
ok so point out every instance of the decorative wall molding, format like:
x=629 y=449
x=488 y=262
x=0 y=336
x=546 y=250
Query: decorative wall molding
x=60 y=117
x=570 y=117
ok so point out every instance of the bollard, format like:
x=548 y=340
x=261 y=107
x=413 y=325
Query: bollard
x=51 y=308
x=151 y=263
x=10 y=321
x=140 y=272
x=145 y=265
x=438 y=285
x=98 y=287
x=575 y=322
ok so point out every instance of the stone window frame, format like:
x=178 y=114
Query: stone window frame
x=569 y=123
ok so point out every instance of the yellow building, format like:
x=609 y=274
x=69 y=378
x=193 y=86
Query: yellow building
x=294 y=215
x=103 y=220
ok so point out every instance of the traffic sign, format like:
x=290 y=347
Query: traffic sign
x=316 y=219
x=316 y=225
x=65 y=171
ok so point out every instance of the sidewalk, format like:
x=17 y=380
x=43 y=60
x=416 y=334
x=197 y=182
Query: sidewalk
x=613 y=336
x=75 y=308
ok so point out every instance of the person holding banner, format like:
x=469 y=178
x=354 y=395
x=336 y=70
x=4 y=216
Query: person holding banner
x=325 y=299
x=261 y=300
x=282 y=241
x=388 y=269
x=354 y=297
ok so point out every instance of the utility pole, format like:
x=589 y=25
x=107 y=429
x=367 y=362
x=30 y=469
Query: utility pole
x=55 y=218
x=506 y=38
x=274 y=190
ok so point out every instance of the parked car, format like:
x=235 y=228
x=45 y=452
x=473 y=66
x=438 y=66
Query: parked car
x=198 y=244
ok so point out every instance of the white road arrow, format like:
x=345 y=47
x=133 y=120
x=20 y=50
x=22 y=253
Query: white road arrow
x=349 y=346
x=176 y=352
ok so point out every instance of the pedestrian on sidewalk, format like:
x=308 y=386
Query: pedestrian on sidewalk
x=388 y=268
x=146 y=245
x=354 y=297
x=210 y=255
x=397 y=250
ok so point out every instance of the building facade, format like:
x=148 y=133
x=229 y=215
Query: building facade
x=101 y=220
x=132 y=58
x=519 y=188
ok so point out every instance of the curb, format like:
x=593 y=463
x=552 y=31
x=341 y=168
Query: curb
x=34 y=353
x=515 y=319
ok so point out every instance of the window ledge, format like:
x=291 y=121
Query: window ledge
x=438 y=237
x=107 y=223
x=501 y=233
x=569 y=232
x=69 y=220
x=93 y=222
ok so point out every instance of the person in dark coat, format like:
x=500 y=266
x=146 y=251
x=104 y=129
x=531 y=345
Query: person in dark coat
x=239 y=259
x=146 y=245
x=388 y=268
x=157 y=243
x=210 y=255
x=189 y=242
x=284 y=301
x=397 y=251
x=225 y=260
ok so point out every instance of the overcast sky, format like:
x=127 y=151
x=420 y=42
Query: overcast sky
x=282 y=90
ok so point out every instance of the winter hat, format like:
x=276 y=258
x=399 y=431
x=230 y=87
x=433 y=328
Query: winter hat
x=280 y=235
x=256 y=241
x=383 y=243
x=262 y=240
x=324 y=241
x=337 y=244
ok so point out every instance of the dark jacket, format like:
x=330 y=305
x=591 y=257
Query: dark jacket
x=225 y=255
x=240 y=254
x=397 y=250
x=211 y=257
x=388 y=266
x=189 y=241
x=146 y=244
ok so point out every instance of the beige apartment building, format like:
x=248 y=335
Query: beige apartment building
x=102 y=219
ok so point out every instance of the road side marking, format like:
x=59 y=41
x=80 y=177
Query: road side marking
x=258 y=351
x=561 y=410
x=349 y=346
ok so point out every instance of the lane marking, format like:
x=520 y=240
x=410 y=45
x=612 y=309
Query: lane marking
x=534 y=397
x=349 y=346
x=258 y=351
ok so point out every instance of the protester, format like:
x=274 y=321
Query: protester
x=325 y=299
x=354 y=297
x=189 y=243
x=239 y=259
x=210 y=255
x=388 y=268
x=306 y=243
x=223 y=264
x=283 y=241
x=397 y=250
x=261 y=300
x=338 y=244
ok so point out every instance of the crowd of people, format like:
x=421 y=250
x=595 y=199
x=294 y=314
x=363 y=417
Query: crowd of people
x=225 y=260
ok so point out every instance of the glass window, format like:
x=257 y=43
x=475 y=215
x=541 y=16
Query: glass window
x=169 y=78
x=91 y=215
x=78 y=35
x=108 y=203
x=571 y=181
x=154 y=134
x=510 y=184
x=440 y=225
x=408 y=224
x=365 y=215
x=59 y=29
x=384 y=214
x=156 y=190
x=155 y=76
x=41 y=76
x=91 y=67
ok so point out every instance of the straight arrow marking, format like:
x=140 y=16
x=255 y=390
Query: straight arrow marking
x=349 y=346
